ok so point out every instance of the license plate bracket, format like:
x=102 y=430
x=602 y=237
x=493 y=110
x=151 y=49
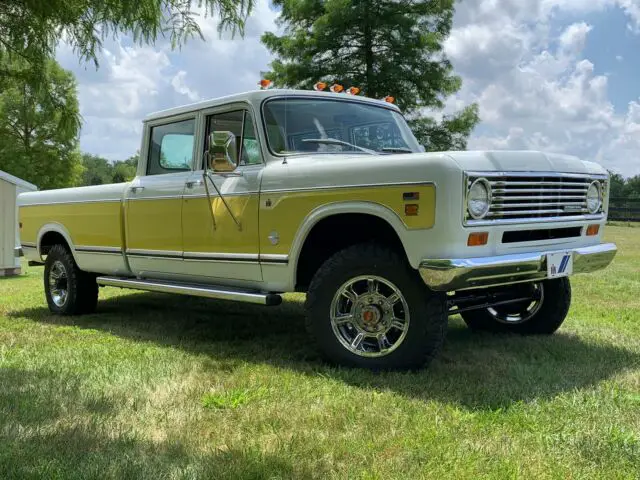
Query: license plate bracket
x=559 y=264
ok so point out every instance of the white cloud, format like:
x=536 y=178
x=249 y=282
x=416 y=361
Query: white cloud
x=178 y=82
x=524 y=67
x=534 y=88
x=619 y=58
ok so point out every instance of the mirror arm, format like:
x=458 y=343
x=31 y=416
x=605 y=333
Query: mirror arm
x=206 y=188
x=206 y=176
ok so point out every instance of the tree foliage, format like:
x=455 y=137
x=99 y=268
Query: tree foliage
x=31 y=29
x=39 y=126
x=98 y=170
x=624 y=188
x=385 y=47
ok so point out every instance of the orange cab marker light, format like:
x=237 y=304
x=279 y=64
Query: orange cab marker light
x=478 y=239
x=337 y=88
x=389 y=99
x=320 y=86
x=264 y=84
x=353 y=91
x=411 y=209
x=593 y=230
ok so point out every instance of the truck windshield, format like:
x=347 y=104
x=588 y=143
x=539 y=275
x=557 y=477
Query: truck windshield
x=318 y=125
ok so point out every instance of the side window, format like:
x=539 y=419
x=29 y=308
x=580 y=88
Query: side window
x=240 y=124
x=171 y=148
x=250 y=154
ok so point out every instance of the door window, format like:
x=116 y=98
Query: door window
x=171 y=148
x=240 y=124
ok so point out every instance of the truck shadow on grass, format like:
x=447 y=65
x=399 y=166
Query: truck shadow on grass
x=475 y=371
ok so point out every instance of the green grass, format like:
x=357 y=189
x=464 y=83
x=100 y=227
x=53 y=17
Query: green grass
x=157 y=386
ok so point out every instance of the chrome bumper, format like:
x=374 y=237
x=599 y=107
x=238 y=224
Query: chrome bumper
x=464 y=273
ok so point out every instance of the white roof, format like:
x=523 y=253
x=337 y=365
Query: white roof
x=17 y=181
x=256 y=96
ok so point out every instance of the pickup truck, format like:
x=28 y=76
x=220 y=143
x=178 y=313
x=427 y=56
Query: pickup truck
x=250 y=196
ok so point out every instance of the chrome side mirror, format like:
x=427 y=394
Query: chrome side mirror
x=222 y=152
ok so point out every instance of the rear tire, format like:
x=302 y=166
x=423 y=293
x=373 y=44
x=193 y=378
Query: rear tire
x=69 y=290
x=548 y=316
x=396 y=321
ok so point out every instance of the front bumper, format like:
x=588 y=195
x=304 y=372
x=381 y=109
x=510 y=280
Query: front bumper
x=464 y=273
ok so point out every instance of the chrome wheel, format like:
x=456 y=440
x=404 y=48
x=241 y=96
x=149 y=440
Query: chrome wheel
x=520 y=312
x=369 y=316
x=58 y=283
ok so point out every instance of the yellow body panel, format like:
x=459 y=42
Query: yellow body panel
x=198 y=232
x=154 y=224
x=285 y=212
x=94 y=223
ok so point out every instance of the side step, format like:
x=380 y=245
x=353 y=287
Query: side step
x=196 y=290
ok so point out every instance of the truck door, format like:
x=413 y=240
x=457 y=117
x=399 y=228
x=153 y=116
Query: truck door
x=153 y=214
x=220 y=231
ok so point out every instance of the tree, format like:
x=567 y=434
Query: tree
x=31 y=29
x=39 y=126
x=385 y=47
x=98 y=170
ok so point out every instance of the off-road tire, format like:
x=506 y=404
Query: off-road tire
x=428 y=317
x=552 y=313
x=82 y=296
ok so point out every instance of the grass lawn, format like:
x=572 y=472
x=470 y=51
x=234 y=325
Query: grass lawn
x=158 y=386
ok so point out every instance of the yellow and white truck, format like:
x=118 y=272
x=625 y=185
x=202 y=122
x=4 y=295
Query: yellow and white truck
x=249 y=196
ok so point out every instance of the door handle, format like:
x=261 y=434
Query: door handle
x=194 y=183
x=137 y=189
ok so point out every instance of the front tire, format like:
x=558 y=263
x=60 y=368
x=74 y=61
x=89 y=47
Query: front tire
x=540 y=317
x=366 y=307
x=69 y=290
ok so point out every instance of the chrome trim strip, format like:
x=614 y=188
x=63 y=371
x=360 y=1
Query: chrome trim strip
x=337 y=187
x=68 y=202
x=509 y=221
x=219 y=293
x=226 y=195
x=157 y=197
x=28 y=245
x=221 y=257
x=154 y=253
x=274 y=258
x=91 y=249
x=509 y=173
x=467 y=273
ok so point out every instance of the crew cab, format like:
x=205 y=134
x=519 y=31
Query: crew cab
x=253 y=195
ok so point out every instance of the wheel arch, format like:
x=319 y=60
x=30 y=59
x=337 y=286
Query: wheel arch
x=363 y=210
x=47 y=236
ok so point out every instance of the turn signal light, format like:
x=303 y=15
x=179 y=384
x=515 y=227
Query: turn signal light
x=478 y=239
x=320 y=86
x=593 y=230
x=337 y=88
x=411 y=209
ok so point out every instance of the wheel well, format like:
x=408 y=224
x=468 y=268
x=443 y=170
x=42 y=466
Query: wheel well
x=50 y=239
x=336 y=233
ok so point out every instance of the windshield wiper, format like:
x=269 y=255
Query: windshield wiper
x=335 y=141
x=397 y=150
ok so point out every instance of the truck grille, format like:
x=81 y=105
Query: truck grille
x=517 y=197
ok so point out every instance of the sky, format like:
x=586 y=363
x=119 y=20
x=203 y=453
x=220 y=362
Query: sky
x=551 y=75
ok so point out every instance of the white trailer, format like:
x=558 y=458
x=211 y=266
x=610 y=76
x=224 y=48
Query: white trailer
x=10 y=188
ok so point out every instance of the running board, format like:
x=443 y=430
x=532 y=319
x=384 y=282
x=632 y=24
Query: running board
x=196 y=290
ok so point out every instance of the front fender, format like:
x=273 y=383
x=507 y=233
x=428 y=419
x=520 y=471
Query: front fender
x=327 y=210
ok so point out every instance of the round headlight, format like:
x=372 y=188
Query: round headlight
x=479 y=198
x=594 y=197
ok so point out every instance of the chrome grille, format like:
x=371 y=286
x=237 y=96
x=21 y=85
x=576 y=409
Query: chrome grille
x=518 y=197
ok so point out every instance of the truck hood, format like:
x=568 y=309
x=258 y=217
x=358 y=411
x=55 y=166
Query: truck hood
x=523 y=161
